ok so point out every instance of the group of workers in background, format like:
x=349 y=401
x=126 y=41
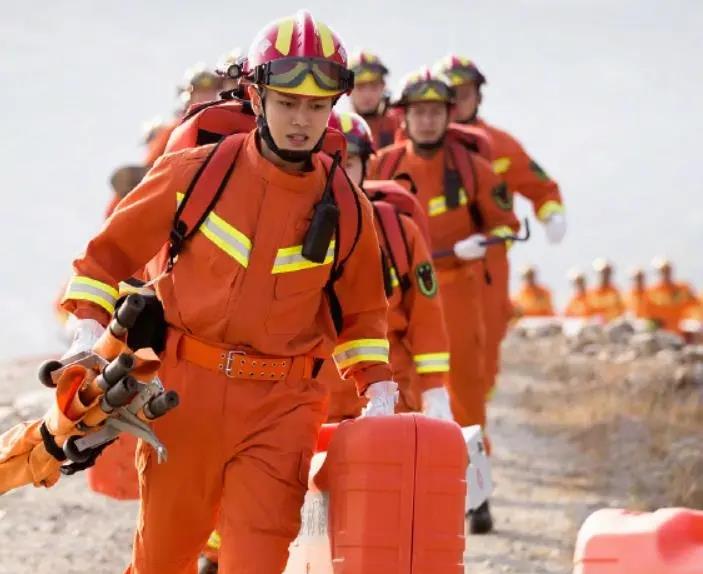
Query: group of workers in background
x=666 y=302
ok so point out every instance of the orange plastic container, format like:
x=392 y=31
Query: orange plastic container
x=616 y=541
x=114 y=473
x=397 y=488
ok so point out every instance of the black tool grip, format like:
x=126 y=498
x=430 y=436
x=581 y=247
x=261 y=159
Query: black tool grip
x=73 y=454
x=130 y=310
x=116 y=370
x=161 y=404
x=45 y=370
x=121 y=393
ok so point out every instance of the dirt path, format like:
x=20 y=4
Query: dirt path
x=542 y=496
x=543 y=490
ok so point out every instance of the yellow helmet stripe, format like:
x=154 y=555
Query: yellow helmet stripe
x=326 y=39
x=285 y=36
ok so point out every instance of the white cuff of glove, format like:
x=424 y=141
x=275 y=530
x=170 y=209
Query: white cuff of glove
x=382 y=399
x=86 y=334
x=435 y=404
x=471 y=247
x=555 y=228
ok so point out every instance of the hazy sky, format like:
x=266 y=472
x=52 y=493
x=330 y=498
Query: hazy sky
x=606 y=94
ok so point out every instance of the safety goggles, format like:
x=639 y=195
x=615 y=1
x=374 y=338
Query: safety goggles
x=428 y=91
x=291 y=72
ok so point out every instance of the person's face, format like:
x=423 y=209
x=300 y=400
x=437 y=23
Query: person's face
x=355 y=168
x=426 y=122
x=580 y=285
x=366 y=97
x=200 y=95
x=467 y=100
x=638 y=281
x=605 y=276
x=296 y=122
x=530 y=278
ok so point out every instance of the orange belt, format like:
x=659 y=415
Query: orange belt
x=237 y=364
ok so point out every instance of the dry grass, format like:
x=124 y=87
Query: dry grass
x=642 y=431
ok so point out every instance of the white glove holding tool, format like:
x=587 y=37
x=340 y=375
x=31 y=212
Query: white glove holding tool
x=435 y=404
x=555 y=228
x=383 y=397
x=471 y=248
x=86 y=334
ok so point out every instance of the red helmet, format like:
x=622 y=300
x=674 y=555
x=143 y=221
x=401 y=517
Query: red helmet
x=423 y=86
x=299 y=55
x=356 y=131
x=367 y=67
x=459 y=71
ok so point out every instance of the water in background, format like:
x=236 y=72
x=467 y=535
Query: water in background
x=606 y=95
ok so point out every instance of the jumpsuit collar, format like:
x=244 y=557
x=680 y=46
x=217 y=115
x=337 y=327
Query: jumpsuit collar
x=302 y=181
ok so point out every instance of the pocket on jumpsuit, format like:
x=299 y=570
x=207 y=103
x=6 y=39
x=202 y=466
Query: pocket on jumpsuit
x=297 y=300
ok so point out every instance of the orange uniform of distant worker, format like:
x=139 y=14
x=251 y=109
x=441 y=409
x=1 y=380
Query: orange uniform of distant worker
x=578 y=305
x=605 y=300
x=419 y=346
x=461 y=280
x=669 y=301
x=522 y=176
x=532 y=300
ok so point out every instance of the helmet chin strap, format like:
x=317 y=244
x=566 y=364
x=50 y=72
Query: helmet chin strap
x=289 y=155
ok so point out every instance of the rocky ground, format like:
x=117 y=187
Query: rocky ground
x=573 y=431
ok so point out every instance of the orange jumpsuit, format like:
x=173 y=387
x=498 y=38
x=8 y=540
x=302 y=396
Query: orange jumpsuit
x=238 y=442
x=523 y=176
x=669 y=302
x=637 y=302
x=383 y=128
x=606 y=302
x=533 y=301
x=461 y=282
x=578 y=306
x=419 y=347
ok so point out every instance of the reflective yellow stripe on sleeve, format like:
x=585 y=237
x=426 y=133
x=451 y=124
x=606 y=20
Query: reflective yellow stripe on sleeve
x=432 y=363
x=87 y=289
x=501 y=165
x=359 y=350
x=548 y=209
x=227 y=237
x=438 y=205
x=290 y=259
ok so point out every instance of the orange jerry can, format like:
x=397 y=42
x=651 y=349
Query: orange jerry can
x=616 y=541
x=397 y=489
x=114 y=473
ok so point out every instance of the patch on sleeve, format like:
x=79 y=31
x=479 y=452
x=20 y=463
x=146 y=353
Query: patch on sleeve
x=426 y=279
x=538 y=171
x=503 y=197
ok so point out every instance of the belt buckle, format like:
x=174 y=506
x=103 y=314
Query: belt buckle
x=229 y=358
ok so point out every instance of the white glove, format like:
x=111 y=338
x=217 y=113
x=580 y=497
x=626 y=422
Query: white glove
x=382 y=399
x=85 y=335
x=555 y=228
x=470 y=248
x=435 y=404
